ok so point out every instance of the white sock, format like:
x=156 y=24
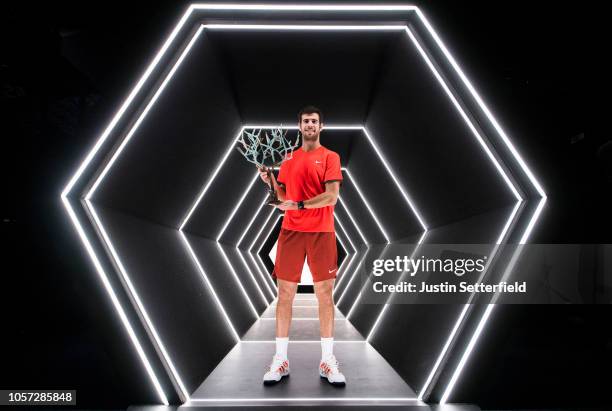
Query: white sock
x=327 y=348
x=281 y=347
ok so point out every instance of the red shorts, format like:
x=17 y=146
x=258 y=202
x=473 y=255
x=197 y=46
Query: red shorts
x=318 y=248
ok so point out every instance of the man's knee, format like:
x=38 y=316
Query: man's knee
x=286 y=292
x=325 y=294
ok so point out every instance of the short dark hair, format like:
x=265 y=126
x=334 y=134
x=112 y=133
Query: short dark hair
x=310 y=110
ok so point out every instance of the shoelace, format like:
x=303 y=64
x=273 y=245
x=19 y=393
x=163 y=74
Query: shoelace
x=331 y=367
x=277 y=365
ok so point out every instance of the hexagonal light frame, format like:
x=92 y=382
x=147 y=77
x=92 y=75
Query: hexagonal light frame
x=85 y=164
x=218 y=169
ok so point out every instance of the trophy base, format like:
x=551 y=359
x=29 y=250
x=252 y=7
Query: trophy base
x=272 y=198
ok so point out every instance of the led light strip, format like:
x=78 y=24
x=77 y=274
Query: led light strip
x=347 y=260
x=235 y=210
x=533 y=220
x=383 y=231
x=302 y=7
x=259 y=208
x=97 y=221
x=126 y=103
x=397 y=183
x=264 y=241
x=368 y=248
x=464 y=116
x=217 y=301
x=263 y=273
x=246 y=265
x=465 y=308
x=469 y=348
x=352 y=220
x=174 y=373
x=514 y=152
x=116 y=304
x=142 y=116
x=506 y=179
x=354 y=257
x=481 y=103
x=246 y=192
x=345 y=233
x=300 y=399
x=301 y=27
x=386 y=305
x=380 y=227
x=482 y=321
x=506 y=228
x=210 y=180
x=242 y=289
x=351 y=279
x=137 y=300
x=250 y=253
x=479 y=328
x=346 y=251
x=263 y=277
x=345 y=272
x=340 y=273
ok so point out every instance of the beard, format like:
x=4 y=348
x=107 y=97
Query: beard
x=310 y=137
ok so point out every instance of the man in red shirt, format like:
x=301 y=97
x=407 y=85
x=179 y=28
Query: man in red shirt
x=308 y=185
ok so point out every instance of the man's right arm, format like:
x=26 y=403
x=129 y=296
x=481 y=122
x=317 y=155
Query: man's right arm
x=279 y=187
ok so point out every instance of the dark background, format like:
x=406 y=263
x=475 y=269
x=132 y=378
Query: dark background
x=64 y=69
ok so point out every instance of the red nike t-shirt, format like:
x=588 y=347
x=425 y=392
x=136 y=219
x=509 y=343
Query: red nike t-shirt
x=304 y=177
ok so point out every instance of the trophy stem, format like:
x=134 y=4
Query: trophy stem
x=272 y=197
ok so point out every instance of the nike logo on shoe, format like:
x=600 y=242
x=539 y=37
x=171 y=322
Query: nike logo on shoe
x=331 y=271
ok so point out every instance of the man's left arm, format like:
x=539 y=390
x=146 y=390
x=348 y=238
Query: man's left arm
x=326 y=198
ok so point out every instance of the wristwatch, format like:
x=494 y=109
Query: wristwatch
x=300 y=205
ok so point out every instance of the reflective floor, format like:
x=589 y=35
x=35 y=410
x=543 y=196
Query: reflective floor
x=237 y=380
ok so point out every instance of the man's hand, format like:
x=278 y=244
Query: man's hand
x=264 y=174
x=287 y=205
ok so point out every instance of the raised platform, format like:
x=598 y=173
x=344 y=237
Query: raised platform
x=237 y=380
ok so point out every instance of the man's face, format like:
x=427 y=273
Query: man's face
x=310 y=127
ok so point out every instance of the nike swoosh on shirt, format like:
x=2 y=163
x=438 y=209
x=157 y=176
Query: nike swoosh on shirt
x=318 y=162
x=331 y=271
